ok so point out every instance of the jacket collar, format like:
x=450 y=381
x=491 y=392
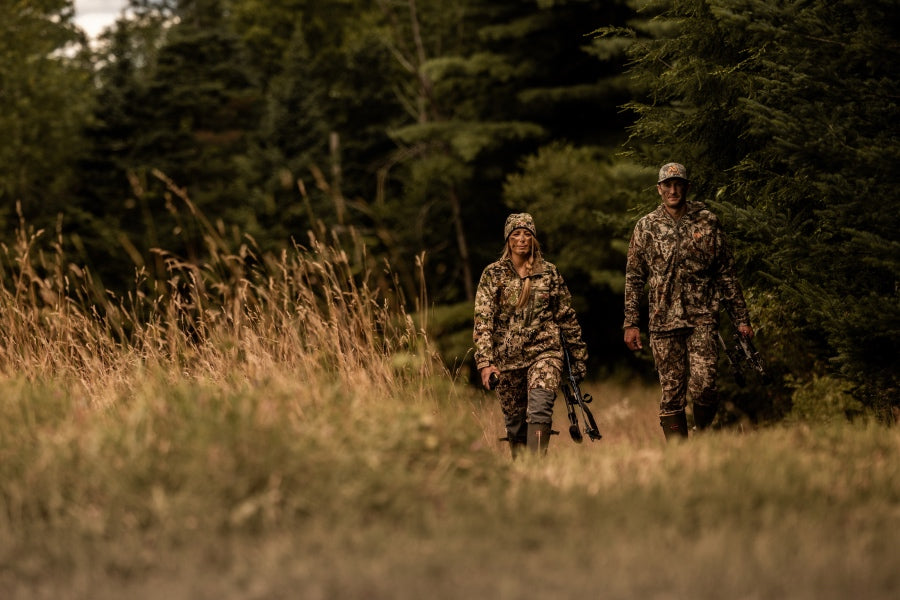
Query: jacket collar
x=693 y=206
x=539 y=266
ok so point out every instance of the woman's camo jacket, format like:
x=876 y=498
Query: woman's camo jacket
x=511 y=338
x=689 y=268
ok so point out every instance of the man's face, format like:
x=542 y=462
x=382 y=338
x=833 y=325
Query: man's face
x=673 y=192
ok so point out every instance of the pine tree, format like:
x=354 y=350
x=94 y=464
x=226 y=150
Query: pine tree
x=106 y=211
x=487 y=88
x=45 y=95
x=785 y=114
x=194 y=116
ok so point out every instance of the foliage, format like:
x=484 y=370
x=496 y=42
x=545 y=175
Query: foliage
x=578 y=193
x=449 y=326
x=435 y=104
x=824 y=400
x=267 y=422
x=45 y=99
x=415 y=127
x=579 y=197
x=213 y=483
x=779 y=109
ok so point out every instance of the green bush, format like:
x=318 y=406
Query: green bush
x=825 y=399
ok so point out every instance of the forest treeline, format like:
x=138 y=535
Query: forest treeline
x=411 y=128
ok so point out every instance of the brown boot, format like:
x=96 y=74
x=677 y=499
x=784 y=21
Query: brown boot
x=674 y=426
x=704 y=414
x=516 y=447
x=538 y=437
x=517 y=435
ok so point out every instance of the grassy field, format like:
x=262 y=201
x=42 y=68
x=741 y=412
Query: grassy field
x=279 y=431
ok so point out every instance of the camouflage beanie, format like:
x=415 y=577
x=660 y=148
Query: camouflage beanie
x=518 y=221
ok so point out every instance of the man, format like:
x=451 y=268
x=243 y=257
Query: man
x=681 y=251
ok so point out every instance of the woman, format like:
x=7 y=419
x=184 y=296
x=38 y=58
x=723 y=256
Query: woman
x=521 y=306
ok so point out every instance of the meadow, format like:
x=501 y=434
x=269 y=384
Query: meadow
x=278 y=427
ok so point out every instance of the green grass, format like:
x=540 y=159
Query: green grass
x=284 y=432
x=193 y=490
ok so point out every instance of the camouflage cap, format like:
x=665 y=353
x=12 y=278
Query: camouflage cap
x=518 y=221
x=672 y=171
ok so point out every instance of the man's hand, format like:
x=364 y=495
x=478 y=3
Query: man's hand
x=746 y=331
x=633 y=338
x=486 y=375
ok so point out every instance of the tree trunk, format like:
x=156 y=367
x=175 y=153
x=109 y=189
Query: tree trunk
x=462 y=245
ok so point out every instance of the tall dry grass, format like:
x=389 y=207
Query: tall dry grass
x=304 y=310
x=203 y=402
x=276 y=426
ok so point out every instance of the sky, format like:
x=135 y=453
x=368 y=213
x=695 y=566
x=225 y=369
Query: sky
x=95 y=15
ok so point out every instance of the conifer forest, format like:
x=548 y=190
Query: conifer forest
x=405 y=131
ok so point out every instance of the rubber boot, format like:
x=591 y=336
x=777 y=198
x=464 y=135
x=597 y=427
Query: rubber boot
x=674 y=426
x=516 y=448
x=538 y=437
x=704 y=414
x=517 y=434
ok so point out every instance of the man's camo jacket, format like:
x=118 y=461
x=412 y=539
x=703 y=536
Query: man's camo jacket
x=689 y=268
x=511 y=338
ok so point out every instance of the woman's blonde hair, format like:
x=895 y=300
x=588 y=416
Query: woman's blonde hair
x=529 y=267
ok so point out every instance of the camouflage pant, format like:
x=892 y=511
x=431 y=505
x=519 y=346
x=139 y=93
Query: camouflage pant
x=686 y=361
x=527 y=395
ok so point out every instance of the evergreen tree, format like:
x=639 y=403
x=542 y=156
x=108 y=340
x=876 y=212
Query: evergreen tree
x=784 y=112
x=486 y=87
x=579 y=197
x=188 y=118
x=108 y=213
x=327 y=112
x=45 y=95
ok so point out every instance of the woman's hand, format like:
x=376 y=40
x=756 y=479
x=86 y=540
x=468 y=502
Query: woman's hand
x=579 y=370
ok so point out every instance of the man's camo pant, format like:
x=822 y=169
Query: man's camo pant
x=527 y=396
x=686 y=361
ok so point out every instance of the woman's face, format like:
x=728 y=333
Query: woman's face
x=520 y=242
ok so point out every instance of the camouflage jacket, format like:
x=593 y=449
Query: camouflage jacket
x=511 y=338
x=689 y=268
